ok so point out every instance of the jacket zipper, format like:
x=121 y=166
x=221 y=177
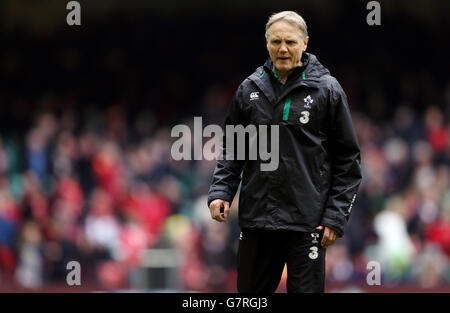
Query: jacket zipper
x=287 y=104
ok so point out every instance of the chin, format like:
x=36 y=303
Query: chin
x=284 y=68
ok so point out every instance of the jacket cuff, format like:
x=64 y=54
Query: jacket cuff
x=334 y=221
x=219 y=195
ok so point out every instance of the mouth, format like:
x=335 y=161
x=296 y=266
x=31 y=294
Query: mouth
x=283 y=58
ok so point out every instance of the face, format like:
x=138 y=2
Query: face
x=285 y=45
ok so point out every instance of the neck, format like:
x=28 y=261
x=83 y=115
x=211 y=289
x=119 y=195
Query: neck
x=283 y=75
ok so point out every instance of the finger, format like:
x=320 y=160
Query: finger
x=218 y=215
x=320 y=227
x=226 y=210
x=326 y=237
x=212 y=209
x=332 y=235
x=218 y=219
x=324 y=241
x=215 y=213
x=326 y=233
x=334 y=238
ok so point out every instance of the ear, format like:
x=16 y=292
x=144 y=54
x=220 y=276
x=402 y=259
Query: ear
x=306 y=43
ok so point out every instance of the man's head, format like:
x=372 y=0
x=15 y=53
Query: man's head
x=286 y=39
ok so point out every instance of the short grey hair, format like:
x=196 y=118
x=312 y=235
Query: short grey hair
x=289 y=16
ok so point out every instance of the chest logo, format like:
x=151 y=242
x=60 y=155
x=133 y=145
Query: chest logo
x=254 y=95
x=308 y=100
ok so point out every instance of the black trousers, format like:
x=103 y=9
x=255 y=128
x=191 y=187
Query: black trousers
x=262 y=255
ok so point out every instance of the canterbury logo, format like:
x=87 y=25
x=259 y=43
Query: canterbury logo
x=254 y=95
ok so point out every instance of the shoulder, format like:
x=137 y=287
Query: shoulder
x=331 y=86
x=330 y=82
x=257 y=74
x=248 y=84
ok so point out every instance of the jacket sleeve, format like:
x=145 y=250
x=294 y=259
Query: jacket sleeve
x=227 y=174
x=345 y=163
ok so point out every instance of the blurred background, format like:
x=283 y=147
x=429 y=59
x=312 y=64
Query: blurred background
x=86 y=113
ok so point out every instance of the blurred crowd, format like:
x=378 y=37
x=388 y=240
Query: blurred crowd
x=103 y=190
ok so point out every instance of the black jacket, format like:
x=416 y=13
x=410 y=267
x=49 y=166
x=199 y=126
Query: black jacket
x=319 y=164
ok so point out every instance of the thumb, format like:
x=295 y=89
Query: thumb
x=320 y=227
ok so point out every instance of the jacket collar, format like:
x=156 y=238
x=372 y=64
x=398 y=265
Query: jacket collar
x=308 y=74
x=296 y=74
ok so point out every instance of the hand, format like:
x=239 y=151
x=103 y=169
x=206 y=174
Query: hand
x=214 y=208
x=329 y=236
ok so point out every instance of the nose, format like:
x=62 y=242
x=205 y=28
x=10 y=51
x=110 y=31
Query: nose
x=283 y=48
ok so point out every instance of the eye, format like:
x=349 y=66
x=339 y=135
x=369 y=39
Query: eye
x=290 y=42
x=276 y=41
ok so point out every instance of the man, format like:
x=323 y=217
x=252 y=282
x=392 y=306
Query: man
x=292 y=214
